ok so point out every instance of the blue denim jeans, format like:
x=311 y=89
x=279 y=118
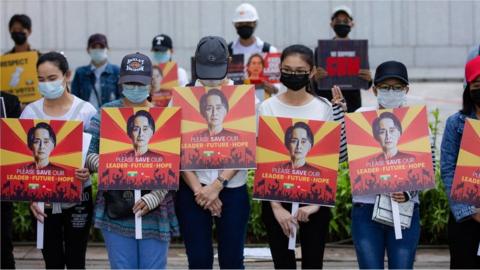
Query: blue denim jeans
x=196 y=228
x=129 y=253
x=372 y=238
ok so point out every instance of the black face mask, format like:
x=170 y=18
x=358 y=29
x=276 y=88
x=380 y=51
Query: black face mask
x=475 y=94
x=294 y=82
x=342 y=30
x=245 y=31
x=19 y=37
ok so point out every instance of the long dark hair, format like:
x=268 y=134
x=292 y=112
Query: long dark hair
x=56 y=58
x=306 y=54
x=468 y=106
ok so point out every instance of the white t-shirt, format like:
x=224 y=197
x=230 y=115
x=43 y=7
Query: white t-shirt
x=318 y=108
x=182 y=77
x=256 y=47
x=35 y=110
x=93 y=97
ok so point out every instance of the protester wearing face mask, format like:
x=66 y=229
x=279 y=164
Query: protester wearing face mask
x=97 y=81
x=20 y=27
x=371 y=238
x=65 y=242
x=299 y=101
x=245 y=21
x=464 y=220
x=209 y=196
x=159 y=222
x=162 y=52
x=342 y=23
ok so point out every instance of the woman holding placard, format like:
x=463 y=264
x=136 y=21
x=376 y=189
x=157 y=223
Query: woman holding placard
x=299 y=101
x=464 y=221
x=372 y=238
x=66 y=226
x=159 y=222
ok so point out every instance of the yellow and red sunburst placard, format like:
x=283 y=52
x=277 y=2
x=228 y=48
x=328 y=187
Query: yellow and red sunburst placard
x=466 y=182
x=139 y=148
x=229 y=141
x=313 y=178
x=38 y=160
x=398 y=158
x=169 y=72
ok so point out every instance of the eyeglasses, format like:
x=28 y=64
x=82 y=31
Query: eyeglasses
x=396 y=87
x=291 y=72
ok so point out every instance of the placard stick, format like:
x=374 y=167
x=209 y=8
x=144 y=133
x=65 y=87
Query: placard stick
x=293 y=238
x=40 y=228
x=138 y=218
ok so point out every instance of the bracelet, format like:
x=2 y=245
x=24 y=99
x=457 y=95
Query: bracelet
x=222 y=181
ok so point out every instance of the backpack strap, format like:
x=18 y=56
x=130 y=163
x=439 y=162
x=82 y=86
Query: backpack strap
x=230 y=48
x=266 y=47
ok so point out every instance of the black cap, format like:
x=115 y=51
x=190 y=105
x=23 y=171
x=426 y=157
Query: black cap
x=100 y=39
x=391 y=69
x=161 y=43
x=211 y=58
x=136 y=68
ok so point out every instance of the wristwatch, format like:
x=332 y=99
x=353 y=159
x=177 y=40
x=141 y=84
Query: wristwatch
x=222 y=181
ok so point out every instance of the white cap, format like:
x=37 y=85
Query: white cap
x=245 y=13
x=344 y=9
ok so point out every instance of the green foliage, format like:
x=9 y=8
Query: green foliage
x=22 y=221
x=256 y=229
x=339 y=227
x=434 y=208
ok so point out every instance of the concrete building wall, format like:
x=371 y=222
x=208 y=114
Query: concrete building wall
x=425 y=35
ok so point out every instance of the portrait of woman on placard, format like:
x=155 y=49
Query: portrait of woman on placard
x=214 y=108
x=41 y=140
x=140 y=129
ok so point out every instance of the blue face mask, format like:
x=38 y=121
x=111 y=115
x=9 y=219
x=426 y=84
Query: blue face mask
x=161 y=57
x=51 y=90
x=136 y=93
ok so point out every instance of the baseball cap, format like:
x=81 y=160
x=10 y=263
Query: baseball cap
x=211 y=58
x=100 y=39
x=343 y=9
x=389 y=70
x=472 y=69
x=135 y=68
x=245 y=13
x=161 y=43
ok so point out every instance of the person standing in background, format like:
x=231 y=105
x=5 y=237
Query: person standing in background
x=342 y=23
x=20 y=27
x=245 y=21
x=97 y=82
x=162 y=52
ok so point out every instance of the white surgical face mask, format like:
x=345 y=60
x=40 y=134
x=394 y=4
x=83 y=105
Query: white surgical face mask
x=51 y=90
x=390 y=99
x=211 y=83
x=98 y=55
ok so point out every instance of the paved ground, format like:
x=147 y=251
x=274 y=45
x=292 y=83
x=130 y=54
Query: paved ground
x=335 y=257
